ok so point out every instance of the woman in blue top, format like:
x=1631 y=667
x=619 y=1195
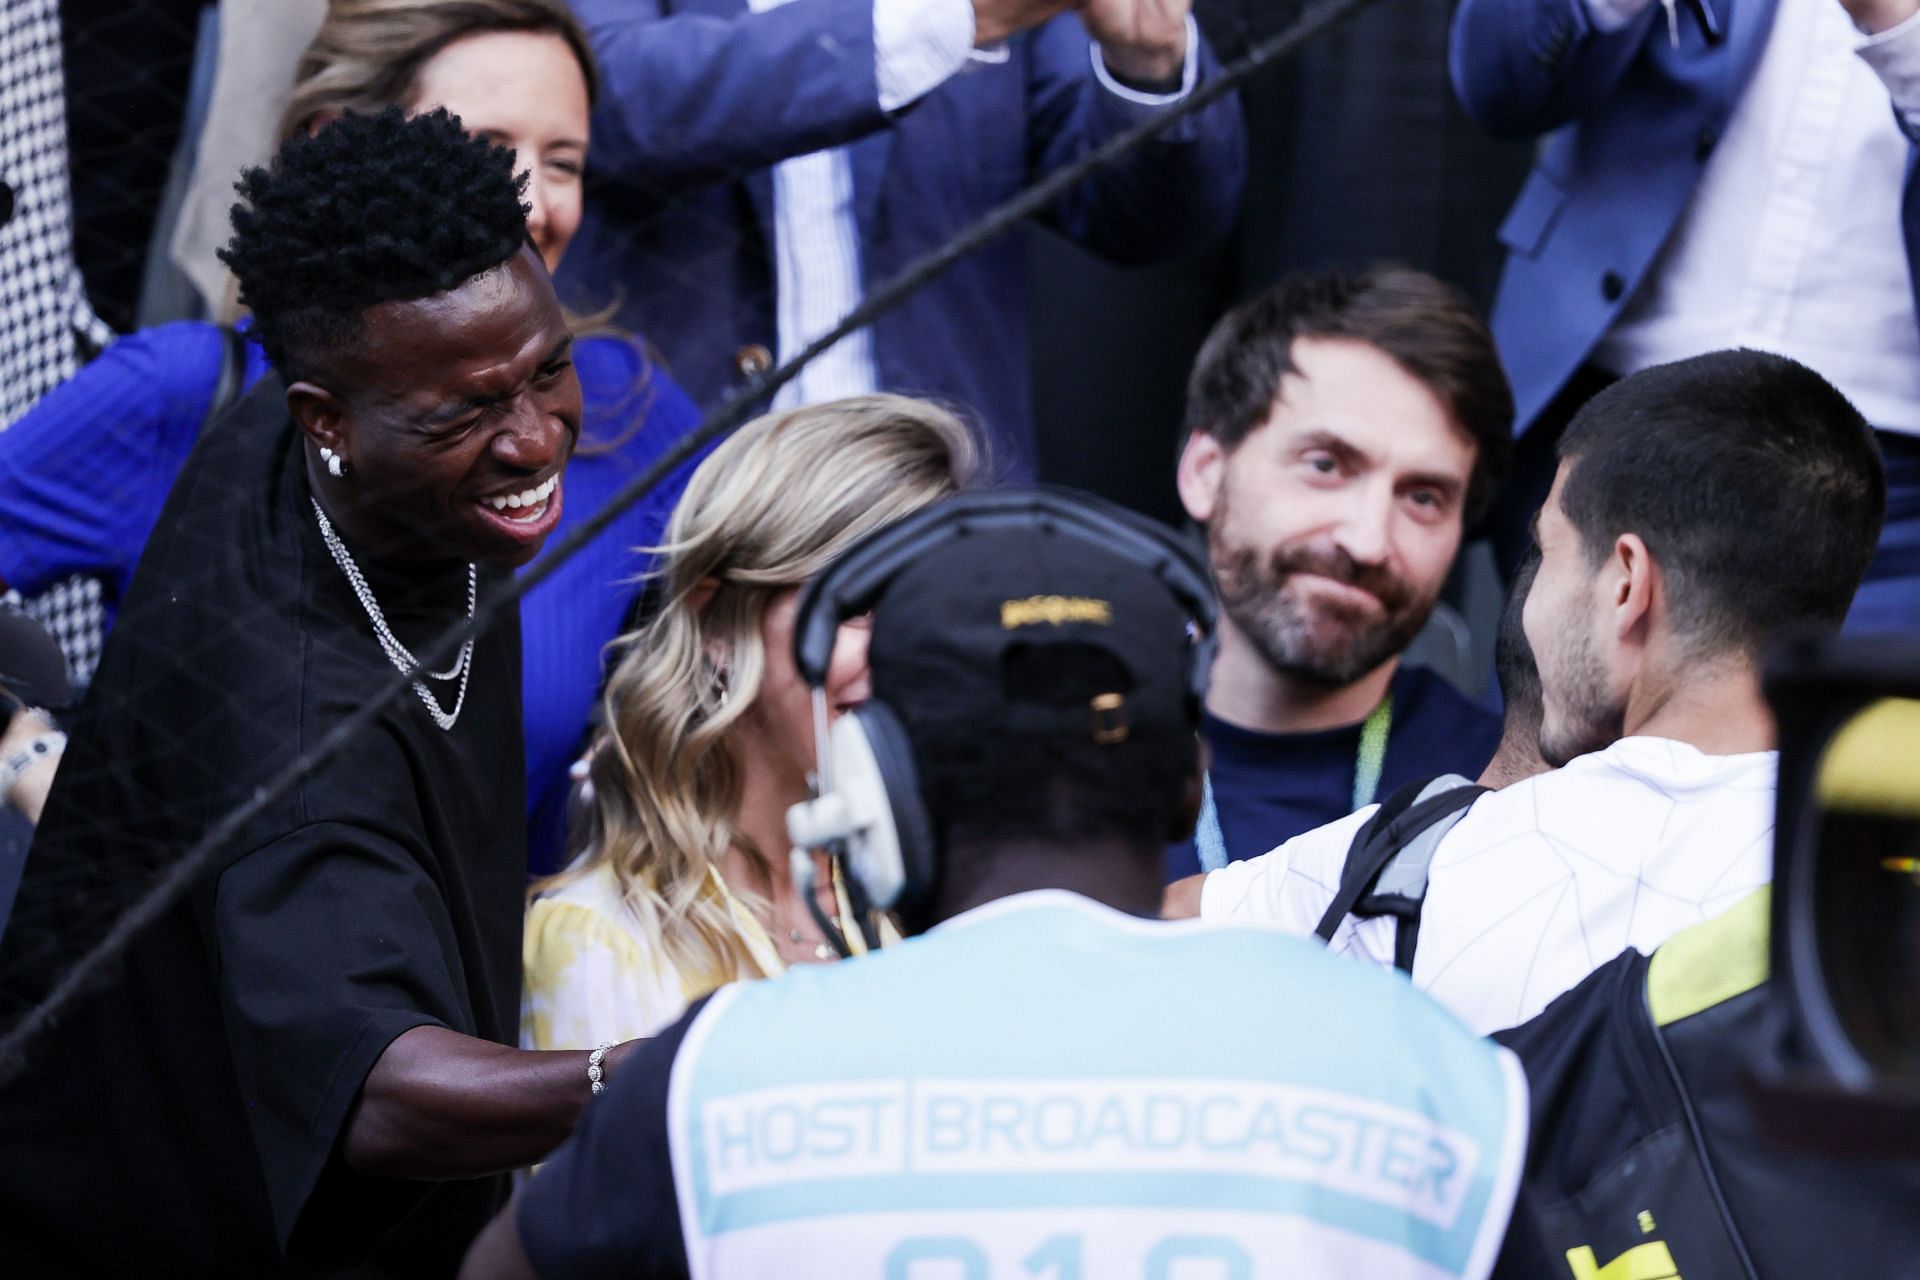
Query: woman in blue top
x=83 y=476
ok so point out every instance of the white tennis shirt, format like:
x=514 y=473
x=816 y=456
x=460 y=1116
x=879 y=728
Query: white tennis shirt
x=1543 y=882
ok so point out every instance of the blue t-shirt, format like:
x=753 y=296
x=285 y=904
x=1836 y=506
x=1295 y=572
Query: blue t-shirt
x=1270 y=787
x=84 y=475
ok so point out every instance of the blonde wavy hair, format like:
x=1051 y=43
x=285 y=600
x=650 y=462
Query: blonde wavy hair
x=772 y=506
x=368 y=54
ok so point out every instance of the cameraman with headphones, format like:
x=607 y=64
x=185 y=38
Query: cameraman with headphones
x=1046 y=1078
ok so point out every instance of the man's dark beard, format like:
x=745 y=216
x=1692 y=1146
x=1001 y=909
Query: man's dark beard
x=1254 y=596
x=1590 y=720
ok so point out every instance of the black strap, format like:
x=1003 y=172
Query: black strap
x=1401 y=817
x=233 y=373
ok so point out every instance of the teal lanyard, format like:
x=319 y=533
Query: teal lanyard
x=1368 y=762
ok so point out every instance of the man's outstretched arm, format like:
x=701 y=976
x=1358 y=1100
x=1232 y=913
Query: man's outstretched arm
x=439 y=1105
x=684 y=95
x=605 y=1203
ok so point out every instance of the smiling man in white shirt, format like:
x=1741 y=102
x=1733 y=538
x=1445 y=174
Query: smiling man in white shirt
x=1699 y=509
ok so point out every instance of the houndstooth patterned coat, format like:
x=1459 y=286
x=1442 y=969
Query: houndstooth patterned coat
x=44 y=314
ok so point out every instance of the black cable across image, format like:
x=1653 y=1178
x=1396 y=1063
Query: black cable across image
x=175 y=882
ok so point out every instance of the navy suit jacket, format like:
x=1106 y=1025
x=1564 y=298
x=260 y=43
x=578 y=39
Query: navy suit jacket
x=701 y=97
x=1632 y=121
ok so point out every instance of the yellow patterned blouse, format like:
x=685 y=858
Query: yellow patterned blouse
x=590 y=976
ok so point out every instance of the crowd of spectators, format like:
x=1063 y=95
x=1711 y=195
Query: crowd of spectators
x=936 y=874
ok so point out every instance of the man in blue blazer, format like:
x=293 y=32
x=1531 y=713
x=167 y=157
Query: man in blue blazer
x=758 y=165
x=1715 y=173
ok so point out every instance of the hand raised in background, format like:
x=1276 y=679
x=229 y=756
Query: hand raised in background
x=1143 y=41
x=1874 y=16
x=995 y=20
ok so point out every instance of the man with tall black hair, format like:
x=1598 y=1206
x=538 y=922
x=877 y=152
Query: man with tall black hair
x=1039 y=1080
x=304 y=1062
x=1700 y=509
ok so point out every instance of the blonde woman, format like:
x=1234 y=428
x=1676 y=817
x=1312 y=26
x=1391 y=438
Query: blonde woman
x=685 y=884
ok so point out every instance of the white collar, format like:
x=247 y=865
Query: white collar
x=1065 y=899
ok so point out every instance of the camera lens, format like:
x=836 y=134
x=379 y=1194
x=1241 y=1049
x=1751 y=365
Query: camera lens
x=1867 y=900
x=1866 y=885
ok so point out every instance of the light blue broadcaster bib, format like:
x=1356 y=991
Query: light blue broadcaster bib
x=1048 y=1088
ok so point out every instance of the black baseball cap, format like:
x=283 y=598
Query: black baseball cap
x=1045 y=628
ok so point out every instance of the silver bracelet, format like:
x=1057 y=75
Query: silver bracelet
x=594 y=1072
x=35 y=749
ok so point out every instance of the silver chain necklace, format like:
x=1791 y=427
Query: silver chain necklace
x=396 y=652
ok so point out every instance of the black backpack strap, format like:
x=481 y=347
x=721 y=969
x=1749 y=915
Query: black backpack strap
x=1367 y=885
x=233 y=374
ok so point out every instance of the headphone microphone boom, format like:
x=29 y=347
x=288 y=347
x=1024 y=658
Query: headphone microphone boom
x=867 y=810
x=855 y=816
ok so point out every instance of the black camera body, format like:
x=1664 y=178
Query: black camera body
x=1845 y=930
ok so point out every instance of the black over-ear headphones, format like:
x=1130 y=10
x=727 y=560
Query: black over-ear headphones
x=868 y=810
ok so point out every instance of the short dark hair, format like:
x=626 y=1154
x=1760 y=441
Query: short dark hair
x=1513 y=662
x=369 y=209
x=992 y=783
x=986 y=787
x=1756 y=485
x=1423 y=324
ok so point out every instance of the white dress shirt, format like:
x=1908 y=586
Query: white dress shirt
x=816 y=239
x=1544 y=881
x=1792 y=242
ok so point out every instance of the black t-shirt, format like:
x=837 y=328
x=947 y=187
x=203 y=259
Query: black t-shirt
x=605 y=1204
x=1270 y=787
x=185 y=1117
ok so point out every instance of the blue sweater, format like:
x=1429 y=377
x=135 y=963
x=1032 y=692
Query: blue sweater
x=83 y=477
x=1270 y=787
